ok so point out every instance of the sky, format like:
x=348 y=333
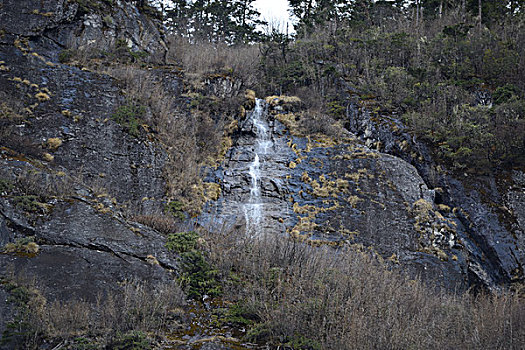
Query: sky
x=275 y=11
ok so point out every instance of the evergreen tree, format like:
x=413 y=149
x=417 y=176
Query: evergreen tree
x=215 y=21
x=356 y=12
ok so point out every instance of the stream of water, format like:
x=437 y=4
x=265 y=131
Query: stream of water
x=254 y=208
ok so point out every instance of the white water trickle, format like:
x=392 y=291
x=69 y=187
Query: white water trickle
x=254 y=208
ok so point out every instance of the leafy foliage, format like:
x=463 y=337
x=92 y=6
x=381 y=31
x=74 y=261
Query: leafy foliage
x=456 y=83
x=215 y=21
x=130 y=116
x=131 y=341
x=176 y=209
x=182 y=242
x=196 y=275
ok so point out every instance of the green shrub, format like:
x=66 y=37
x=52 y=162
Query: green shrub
x=301 y=342
x=65 y=55
x=260 y=333
x=138 y=55
x=335 y=109
x=19 y=329
x=5 y=187
x=176 y=209
x=129 y=116
x=505 y=93
x=197 y=276
x=29 y=204
x=131 y=341
x=239 y=315
x=82 y=343
x=182 y=242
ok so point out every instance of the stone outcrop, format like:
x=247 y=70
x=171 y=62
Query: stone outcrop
x=332 y=192
x=57 y=123
x=82 y=25
x=487 y=209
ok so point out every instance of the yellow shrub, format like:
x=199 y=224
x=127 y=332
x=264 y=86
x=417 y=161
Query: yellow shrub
x=48 y=157
x=42 y=96
x=53 y=143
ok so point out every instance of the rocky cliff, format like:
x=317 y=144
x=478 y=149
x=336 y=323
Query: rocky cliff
x=80 y=173
x=341 y=190
x=68 y=170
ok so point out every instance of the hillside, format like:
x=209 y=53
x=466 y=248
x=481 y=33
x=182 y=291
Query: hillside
x=171 y=185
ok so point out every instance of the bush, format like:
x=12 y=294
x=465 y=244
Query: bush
x=196 y=275
x=131 y=341
x=24 y=246
x=505 y=93
x=65 y=55
x=176 y=209
x=310 y=298
x=6 y=186
x=129 y=116
x=182 y=242
x=118 y=320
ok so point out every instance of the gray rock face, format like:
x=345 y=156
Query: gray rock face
x=354 y=195
x=77 y=108
x=339 y=194
x=30 y=18
x=70 y=273
x=69 y=25
x=68 y=131
x=489 y=210
x=84 y=253
x=78 y=224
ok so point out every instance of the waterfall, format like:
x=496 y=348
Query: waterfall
x=251 y=177
x=254 y=208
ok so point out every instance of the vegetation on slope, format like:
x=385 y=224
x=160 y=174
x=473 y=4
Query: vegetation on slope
x=427 y=71
x=457 y=83
x=283 y=293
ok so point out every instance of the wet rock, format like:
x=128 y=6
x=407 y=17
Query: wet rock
x=337 y=195
x=236 y=206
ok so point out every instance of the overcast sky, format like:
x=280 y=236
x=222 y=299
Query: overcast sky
x=274 y=11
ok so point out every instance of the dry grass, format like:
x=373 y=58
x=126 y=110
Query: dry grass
x=189 y=138
x=163 y=223
x=135 y=307
x=53 y=143
x=350 y=300
x=38 y=183
x=203 y=58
